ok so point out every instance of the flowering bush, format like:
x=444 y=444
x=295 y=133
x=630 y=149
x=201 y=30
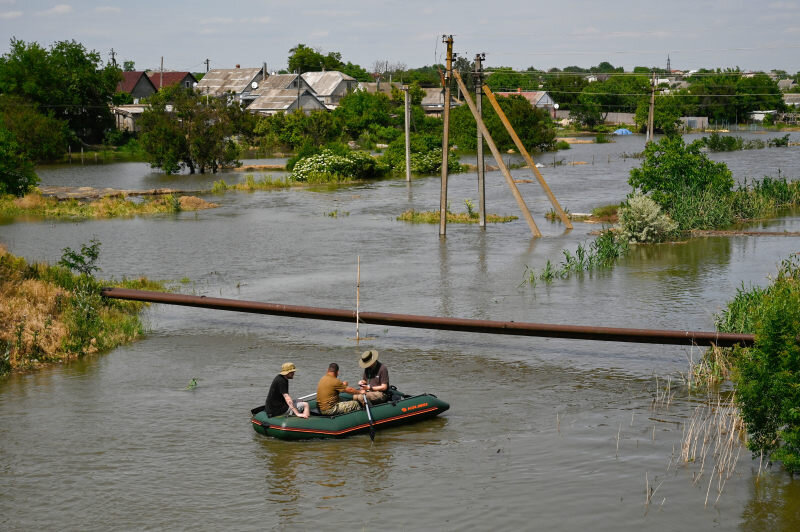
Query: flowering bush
x=326 y=166
x=641 y=220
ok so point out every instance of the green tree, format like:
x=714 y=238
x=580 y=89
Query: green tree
x=619 y=94
x=128 y=66
x=672 y=168
x=506 y=79
x=67 y=79
x=565 y=88
x=666 y=114
x=17 y=175
x=42 y=137
x=181 y=130
x=360 y=110
x=305 y=59
x=533 y=125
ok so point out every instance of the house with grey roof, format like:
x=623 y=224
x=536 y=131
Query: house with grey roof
x=433 y=101
x=536 y=98
x=373 y=87
x=271 y=101
x=330 y=86
x=786 y=84
x=282 y=81
x=237 y=83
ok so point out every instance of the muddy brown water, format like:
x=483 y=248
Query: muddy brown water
x=541 y=434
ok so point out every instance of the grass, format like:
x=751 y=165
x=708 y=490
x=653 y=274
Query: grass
x=34 y=204
x=433 y=217
x=602 y=253
x=251 y=184
x=51 y=315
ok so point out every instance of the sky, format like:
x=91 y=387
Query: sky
x=750 y=35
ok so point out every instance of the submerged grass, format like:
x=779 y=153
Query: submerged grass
x=50 y=314
x=35 y=204
x=469 y=217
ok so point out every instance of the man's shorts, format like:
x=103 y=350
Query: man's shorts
x=342 y=407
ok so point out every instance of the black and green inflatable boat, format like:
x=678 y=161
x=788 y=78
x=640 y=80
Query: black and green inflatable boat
x=401 y=409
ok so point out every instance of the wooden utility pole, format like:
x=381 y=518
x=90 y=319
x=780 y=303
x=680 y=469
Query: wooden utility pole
x=408 y=130
x=113 y=58
x=528 y=159
x=207 y=62
x=448 y=39
x=652 y=109
x=498 y=157
x=161 y=75
x=478 y=103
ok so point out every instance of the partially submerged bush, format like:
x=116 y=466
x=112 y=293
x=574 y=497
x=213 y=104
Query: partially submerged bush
x=769 y=373
x=641 y=220
x=327 y=166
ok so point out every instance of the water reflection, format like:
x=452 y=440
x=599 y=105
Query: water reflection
x=774 y=502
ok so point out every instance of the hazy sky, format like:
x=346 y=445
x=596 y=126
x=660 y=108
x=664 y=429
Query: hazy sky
x=751 y=35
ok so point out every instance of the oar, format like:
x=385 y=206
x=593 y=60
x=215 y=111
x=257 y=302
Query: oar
x=369 y=416
x=309 y=396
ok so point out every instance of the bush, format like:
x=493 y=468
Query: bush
x=768 y=381
x=327 y=166
x=641 y=220
x=16 y=170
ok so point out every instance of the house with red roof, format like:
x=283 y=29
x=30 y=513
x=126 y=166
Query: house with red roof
x=137 y=84
x=166 y=79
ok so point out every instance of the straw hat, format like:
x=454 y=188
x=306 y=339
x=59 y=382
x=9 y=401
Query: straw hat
x=287 y=368
x=368 y=358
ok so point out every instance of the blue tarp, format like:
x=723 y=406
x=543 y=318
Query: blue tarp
x=623 y=131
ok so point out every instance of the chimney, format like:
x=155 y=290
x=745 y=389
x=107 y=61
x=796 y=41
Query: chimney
x=237 y=65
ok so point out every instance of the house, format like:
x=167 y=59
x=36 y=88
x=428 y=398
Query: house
x=137 y=84
x=237 y=83
x=126 y=116
x=282 y=81
x=331 y=86
x=167 y=79
x=792 y=99
x=271 y=101
x=433 y=101
x=536 y=98
x=786 y=84
x=374 y=87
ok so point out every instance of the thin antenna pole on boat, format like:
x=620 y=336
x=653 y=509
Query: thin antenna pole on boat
x=358 y=290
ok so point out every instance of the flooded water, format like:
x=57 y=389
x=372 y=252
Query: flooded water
x=542 y=433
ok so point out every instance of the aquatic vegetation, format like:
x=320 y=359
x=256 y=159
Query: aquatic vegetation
x=602 y=253
x=56 y=313
x=107 y=207
x=433 y=217
x=251 y=184
x=641 y=220
x=716 y=143
x=337 y=213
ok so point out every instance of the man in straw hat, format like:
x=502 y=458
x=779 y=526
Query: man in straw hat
x=375 y=380
x=279 y=402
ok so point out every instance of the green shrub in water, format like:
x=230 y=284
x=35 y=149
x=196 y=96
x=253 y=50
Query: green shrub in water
x=768 y=383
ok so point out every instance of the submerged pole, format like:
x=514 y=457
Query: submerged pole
x=576 y=332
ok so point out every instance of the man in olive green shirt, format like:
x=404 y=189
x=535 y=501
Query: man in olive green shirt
x=328 y=391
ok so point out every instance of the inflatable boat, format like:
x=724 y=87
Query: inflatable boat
x=399 y=410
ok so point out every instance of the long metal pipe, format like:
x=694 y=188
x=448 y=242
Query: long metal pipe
x=578 y=332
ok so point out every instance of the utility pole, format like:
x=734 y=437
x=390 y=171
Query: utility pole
x=161 y=75
x=408 y=129
x=299 y=105
x=113 y=58
x=481 y=183
x=652 y=109
x=207 y=62
x=448 y=39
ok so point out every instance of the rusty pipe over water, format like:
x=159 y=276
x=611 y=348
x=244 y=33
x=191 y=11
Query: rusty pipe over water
x=577 y=332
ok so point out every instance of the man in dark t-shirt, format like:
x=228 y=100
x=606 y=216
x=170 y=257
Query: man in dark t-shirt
x=375 y=380
x=279 y=402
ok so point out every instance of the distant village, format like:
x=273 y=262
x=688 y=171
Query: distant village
x=264 y=93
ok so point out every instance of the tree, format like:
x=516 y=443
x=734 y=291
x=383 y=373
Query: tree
x=565 y=89
x=128 y=66
x=672 y=168
x=361 y=110
x=666 y=114
x=533 y=125
x=506 y=79
x=66 y=79
x=42 y=137
x=305 y=59
x=17 y=175
x=618 y=94
x=180 y=130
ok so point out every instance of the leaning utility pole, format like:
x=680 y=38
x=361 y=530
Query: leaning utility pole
x=652 y=109
x=404 y=88
x=448 y=39
x=478 y=74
